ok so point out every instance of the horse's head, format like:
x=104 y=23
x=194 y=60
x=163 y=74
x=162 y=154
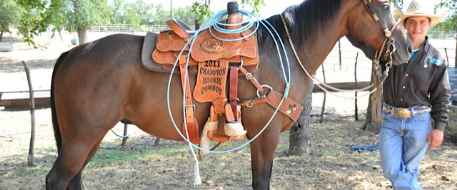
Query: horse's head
x=374 y=23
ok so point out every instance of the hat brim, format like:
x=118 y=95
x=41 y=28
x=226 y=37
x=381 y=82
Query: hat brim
x=435 y=19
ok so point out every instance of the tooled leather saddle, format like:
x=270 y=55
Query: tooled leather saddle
x=213 y=60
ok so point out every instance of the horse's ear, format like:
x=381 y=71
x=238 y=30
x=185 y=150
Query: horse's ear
x=367 y=50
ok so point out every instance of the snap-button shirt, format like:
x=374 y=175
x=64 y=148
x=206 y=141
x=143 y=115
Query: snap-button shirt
x=422 y=81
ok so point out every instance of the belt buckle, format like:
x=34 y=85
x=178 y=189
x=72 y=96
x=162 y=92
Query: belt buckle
x=402 y=113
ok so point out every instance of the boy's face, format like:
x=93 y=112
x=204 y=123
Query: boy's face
x=417 y=27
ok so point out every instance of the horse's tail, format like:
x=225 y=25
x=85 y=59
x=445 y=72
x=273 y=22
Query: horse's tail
x=55 y=124
x=76 y=182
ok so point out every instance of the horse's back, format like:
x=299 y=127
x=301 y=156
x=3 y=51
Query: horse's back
x=102 y=82
x=92 y=82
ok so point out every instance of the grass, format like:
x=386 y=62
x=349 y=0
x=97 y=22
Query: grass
x=330 y=164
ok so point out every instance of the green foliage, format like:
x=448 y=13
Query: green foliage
x=81 y=14
x=255 y=4
x=73 y=15
x=10 y=14
x=159 y=15
x=144 y=11
x=117 y=13
x=137 y=13
x=41 y=13
x=201 y=9
x=185 y=15
x=450 y=22
x=398 y=4
x=131 y=16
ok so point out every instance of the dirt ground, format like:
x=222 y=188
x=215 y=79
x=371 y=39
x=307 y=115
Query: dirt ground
x=330 y=165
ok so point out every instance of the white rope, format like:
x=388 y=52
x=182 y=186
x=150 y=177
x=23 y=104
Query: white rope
x=315 y=79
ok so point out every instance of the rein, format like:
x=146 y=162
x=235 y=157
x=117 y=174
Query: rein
x=389 y=41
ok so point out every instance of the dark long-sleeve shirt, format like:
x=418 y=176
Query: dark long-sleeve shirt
x=421 y=81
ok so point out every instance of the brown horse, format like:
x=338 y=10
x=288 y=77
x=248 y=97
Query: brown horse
x=96 y=85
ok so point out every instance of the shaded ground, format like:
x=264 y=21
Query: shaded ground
x=330 y=165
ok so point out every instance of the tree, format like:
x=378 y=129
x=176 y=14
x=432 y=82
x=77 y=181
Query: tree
x=144 y=11
x=10 y=14
x=40 y=14
x=450 y=23
x=185 y=15
x=79 y=15
x=159 y=15
x=117 y=13
x=373 y=118
x=202 y=10
x=299 y=134
x=131 y=14
x=73 y=15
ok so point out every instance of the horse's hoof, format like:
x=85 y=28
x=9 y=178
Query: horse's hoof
x=234 y=129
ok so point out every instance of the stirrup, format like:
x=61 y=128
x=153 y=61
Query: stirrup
x=234 y=129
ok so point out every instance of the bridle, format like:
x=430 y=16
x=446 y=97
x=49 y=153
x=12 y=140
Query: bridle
x=389 y=42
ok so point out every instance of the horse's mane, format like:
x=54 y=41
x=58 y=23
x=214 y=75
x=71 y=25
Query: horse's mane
x=303 y=20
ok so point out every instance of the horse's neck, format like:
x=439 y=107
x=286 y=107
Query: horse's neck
x=311 y=52
x=315 y=50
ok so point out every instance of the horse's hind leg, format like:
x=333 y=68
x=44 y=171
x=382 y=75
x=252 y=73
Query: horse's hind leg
x=70 y=162
x=76 y=180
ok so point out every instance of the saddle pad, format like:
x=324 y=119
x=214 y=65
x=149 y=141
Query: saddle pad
x=149 y=45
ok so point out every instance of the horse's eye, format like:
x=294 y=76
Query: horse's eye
x=385 y=6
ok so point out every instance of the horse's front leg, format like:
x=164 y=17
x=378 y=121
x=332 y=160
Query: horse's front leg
x=262 y=153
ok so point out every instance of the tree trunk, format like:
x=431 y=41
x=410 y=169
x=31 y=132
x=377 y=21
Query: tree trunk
x=299 y=133
x=374 y=103
x=82 y=35
x=370 y=122
x=1 y=35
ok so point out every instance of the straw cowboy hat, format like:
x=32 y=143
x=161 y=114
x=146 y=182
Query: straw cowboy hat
x=421 y=8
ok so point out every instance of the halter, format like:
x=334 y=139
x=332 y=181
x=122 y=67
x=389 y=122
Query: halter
x=390 y=41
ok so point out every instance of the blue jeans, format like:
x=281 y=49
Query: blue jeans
x=402 y=145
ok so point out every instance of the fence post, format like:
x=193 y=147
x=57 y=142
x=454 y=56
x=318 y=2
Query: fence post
x=356 y=114
x=339 y=53
x=447 y=58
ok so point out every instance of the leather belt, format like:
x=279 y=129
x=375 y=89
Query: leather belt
x=405 y=113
